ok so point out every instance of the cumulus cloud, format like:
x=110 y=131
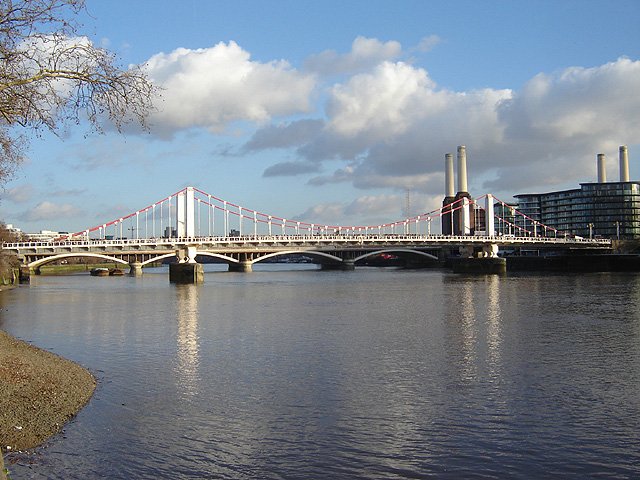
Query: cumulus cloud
x=366 y=206
x=365 y=53
x=285 y=135
x=211 y=87
x=428 y=43
x=392 y=126
x=20 y=194
x=50 y=211
x=71 y=192
x=290 y=169
x=371 y=209
x=555 y=126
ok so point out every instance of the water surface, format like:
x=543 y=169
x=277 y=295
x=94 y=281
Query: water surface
x=293 y=373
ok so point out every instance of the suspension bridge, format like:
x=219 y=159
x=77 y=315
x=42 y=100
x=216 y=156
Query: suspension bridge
x=191 y=224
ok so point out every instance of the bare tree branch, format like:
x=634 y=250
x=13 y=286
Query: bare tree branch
x=51 y=77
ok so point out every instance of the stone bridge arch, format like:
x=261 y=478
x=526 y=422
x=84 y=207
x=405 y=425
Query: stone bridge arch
x=156 y=259
x=229 y=260
x=43 y=261
x=394 y=251
x=310 y=253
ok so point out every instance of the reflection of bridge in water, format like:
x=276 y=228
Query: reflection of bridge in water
x=190 y=225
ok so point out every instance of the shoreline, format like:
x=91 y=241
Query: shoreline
x=39 y=392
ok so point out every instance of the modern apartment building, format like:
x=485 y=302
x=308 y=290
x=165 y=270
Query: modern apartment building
x=606 y=209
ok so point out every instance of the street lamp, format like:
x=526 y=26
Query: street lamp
x=590 y=231
x=617 y=222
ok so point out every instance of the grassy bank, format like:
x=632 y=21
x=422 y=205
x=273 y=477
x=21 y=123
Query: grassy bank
x=39 y=392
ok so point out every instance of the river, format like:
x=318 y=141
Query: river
x=293 y=373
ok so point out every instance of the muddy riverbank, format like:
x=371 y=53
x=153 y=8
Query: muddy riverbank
x=39 y=392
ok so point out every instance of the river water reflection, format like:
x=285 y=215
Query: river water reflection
x=291 y=373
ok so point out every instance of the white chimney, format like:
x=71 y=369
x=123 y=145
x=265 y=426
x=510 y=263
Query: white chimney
x=448 y=176
x=462 y=168
x=624 y=164
x=602 y=170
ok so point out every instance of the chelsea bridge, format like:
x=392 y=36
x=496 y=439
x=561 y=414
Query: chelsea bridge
x=191 y=224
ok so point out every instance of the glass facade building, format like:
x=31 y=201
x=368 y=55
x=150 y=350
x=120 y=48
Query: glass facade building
x=609 y=210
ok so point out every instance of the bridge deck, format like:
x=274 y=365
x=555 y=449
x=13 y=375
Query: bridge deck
x=298 y=241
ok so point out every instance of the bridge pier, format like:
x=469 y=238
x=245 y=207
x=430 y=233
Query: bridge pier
x=135 y=269
x=26 y=272
x=482 y=265
x=486 y=261
x=187 y=270
x=348 y=265
x=490 y=250
x=466 y=251
x=345 y=265
x=242 y=266
x=186 y=273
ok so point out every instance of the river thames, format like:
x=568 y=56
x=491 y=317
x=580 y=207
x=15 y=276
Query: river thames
x=289 y=372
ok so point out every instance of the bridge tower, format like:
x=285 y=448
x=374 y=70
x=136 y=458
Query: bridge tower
x=185 y=213
x=489 y=216
x=186 y=270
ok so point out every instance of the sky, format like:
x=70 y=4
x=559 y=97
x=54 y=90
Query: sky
x=342 y=112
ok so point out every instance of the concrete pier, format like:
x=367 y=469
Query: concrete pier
x=243 y=266
x=25 y=274
x=186 y=273
x=135 y=269
x=482 y=265
x=345 y=265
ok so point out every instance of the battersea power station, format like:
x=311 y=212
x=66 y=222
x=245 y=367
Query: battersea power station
x=607 y=209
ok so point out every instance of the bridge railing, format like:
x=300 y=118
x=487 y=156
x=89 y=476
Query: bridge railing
x=333 y=238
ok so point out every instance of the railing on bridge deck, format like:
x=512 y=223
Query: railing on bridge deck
x=315 y=239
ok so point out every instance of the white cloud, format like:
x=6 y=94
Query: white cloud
x=290 y=169
x=285 y=135
x=212 y=87
x=372 y=204
x=368 y=206
x=393 y=125
x=20 y=194
x=365 y=53
x=577 y=103
x=382 y=103
x=371 y=209
x=428 y=43
x=50 y=211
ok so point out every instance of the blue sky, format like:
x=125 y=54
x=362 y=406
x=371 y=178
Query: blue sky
x=331 y=111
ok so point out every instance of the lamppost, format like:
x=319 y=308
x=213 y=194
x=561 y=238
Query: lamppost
x=590 y=231
x=617 y=222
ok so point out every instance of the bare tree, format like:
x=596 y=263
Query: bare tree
x=8 y=261
x=51 y=77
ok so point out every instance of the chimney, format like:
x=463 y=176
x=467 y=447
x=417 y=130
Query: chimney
x=462 y=168
x=602 y=170
x=448 y=176
x=624 y=164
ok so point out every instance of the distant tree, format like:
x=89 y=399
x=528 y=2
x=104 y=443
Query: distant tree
x=8 y=262
x=51 y=77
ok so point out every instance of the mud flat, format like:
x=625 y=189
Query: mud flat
x=39 y=392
